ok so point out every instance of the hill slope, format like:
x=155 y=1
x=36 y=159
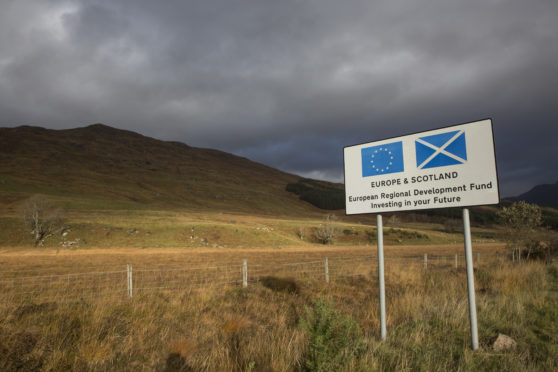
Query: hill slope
x=544 y=195
x=100 y=167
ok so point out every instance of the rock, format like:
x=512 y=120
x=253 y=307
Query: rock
x=503 y=342
x=71 y=243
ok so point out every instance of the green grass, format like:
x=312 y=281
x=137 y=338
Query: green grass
x=152 y=228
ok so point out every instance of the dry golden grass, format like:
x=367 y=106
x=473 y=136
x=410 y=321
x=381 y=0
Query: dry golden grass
x=218 y=328
x=73 y=260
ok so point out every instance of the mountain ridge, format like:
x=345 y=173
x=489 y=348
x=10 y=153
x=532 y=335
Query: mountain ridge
x=100 y=163
x=545 y=195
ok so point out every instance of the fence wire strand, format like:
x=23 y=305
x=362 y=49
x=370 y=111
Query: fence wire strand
x=19 y=285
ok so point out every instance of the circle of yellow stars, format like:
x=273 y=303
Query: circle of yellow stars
x=382 y=153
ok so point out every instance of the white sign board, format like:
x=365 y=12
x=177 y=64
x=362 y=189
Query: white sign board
x=448 y=167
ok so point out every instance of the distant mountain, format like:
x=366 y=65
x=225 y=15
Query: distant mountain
x=100 y=167
x=543 y=195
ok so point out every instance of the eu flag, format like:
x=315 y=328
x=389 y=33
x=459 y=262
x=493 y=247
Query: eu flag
x=441 y=150
x=382 y=159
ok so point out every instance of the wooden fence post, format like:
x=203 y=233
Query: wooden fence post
x=244 y=273
x=326 y=269
x=129 y=279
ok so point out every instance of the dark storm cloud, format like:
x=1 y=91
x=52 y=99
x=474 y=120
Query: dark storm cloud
x=289 y=83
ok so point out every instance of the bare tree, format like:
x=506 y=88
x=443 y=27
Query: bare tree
x=394 y=221
x=42 y=217
x=521 y=220
x=326 y=232
x=301 y=232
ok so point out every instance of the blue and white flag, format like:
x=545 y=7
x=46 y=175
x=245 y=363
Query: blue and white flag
x=383 y=159
x=441 y=150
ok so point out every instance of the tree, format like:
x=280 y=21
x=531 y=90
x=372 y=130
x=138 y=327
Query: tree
x=301 y=232
x=394 y=221
x=42 y=217
x=521 y=221
x=326 y=232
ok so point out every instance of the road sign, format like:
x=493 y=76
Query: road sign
x=447 y=167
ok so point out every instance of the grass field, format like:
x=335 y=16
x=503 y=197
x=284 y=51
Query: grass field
x=222 y=327
x=216 y=328
x=177 y=229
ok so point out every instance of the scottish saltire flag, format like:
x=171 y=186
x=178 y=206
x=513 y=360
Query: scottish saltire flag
x=383 y=159
x=441 y=150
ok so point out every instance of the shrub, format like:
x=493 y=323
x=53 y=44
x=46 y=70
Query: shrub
x=521 y=221
x=327 y=231
x=276 y=284
x=543 y=247
x=333 y=340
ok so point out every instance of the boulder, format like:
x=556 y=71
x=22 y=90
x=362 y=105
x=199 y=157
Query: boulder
x=503 y=342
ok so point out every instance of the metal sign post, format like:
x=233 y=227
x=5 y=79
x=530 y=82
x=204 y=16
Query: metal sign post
x=380 y=228
x=470 y=280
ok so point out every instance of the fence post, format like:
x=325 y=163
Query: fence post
x=129 y=279
x=425 y=261
x=244 y=273
x=456 y=261
x=326 y=269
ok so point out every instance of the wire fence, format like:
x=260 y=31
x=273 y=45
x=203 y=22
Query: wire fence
x=129 y=280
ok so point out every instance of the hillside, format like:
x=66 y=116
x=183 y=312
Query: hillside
x=543 y=195
x=100 y=167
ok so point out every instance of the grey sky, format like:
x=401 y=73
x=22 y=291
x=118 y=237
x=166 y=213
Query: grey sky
x=289 y=83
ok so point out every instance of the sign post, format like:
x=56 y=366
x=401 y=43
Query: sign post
x=382 y=285
x=470 y=281
x=442 y=168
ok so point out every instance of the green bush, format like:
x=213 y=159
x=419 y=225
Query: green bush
x=333 y=340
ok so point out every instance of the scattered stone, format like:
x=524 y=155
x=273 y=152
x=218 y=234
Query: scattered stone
x=503 y=342
x=71 y=243
x=65 y=233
